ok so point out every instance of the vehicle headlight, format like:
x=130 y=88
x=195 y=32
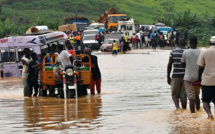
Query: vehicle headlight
x=69 y=72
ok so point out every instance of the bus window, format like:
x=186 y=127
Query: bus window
x=8 y=55
x=4 y=55
x=21 y=53
x=44 y=49
x=12 y=54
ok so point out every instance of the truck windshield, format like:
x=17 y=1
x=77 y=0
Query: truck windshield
x=8 y=55
x=123 y=27
x=114 y=19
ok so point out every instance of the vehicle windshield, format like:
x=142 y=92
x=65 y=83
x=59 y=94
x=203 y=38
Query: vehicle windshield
x=115 y=19
x=123 y=28
x=110 y=41
x=91 y=37
x=8 y=55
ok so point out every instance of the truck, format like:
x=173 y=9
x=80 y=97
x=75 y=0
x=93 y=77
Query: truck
x=110 y=18
x=126 y=27
x=81 y=22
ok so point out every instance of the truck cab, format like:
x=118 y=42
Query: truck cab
x=126 y=27
x=113 y=20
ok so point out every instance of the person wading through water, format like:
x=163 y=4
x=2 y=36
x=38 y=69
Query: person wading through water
x=189 y=60
x=96 y=74
x=177 y=82
x=206 y=75
x=25 y=61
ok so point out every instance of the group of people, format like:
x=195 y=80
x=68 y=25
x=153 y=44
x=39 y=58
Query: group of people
x=192 y=69
x=32 y=64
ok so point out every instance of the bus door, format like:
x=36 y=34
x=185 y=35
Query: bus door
x=8 y=61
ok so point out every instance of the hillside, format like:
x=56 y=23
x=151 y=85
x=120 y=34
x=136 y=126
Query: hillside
x=143 y=11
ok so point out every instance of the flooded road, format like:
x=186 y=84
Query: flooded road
x=135 y=98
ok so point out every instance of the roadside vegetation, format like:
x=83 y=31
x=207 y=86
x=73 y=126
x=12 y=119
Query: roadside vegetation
x=194 y=15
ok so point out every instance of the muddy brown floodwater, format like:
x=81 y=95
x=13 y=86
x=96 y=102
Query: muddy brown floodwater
x=135 y=98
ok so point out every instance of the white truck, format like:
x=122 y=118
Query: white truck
x=126 y=27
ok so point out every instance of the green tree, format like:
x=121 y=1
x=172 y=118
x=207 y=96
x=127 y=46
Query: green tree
x=6 y=27
x=187 y=20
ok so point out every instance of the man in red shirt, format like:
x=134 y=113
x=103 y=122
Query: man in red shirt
x=133 y=39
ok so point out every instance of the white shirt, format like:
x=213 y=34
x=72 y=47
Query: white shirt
x=25 y=68
x=207 y=60
x=138 y=34
x=63 y=57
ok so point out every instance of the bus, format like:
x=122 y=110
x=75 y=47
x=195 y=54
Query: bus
x=11 y=49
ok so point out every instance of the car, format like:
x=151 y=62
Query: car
x=90 y=42
x=107 y=45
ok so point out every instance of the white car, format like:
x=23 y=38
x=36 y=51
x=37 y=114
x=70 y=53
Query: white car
x=90 y=42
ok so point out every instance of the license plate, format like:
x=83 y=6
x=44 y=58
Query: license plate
x=71 y=87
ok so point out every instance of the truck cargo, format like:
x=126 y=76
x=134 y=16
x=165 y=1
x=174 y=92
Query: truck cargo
x=110 y=18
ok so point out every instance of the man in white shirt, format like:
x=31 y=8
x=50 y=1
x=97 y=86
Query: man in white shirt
x=25 y=61
x=189 y=59
x=206 y=62
x=64 y=58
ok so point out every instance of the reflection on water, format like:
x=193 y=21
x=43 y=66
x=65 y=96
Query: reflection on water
x=135 y=99
x=53 y=113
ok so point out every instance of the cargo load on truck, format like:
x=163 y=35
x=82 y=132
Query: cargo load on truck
x=110 y=18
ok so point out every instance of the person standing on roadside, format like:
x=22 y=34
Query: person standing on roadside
x=206 y=75
x=126 y=42
x=133 y=39
x=189 y=60
x=25 y=61
x=71 y=39
x=161 y=40
x=143 y=38
x=177 y=35
x=172 y=41
x=122 y=41
x=78 y=40
x=186 y=37
x=152 y=35
x=139 y=39
x=177 y=82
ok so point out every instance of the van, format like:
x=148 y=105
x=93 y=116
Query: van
x=11 y=49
